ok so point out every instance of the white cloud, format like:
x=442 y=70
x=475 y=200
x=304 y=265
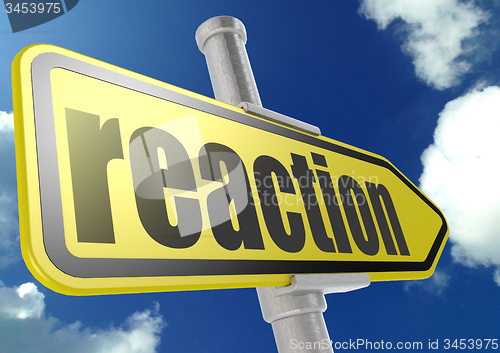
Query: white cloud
x=436 y=284
x=437 y=31
x=9 y=224
x=24 y=328
x=6 y=121
x=21 y=303
x=461 y=171
x=496 y=277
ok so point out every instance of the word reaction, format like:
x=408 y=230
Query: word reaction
x=232 y=206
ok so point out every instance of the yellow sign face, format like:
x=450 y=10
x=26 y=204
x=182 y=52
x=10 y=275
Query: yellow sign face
x=127 y=184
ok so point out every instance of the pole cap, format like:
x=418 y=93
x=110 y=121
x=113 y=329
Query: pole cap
x=216 y=25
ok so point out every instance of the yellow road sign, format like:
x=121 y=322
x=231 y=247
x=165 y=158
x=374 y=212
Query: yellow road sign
x=127 y=184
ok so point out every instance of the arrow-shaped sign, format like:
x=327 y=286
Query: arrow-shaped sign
x=127 y=184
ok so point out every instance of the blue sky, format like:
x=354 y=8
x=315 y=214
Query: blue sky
x=414 y=81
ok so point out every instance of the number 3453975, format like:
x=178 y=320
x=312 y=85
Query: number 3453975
x=25 y=7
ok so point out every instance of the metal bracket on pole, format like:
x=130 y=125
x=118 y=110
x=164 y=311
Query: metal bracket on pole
x=295 y=311
x=324 y=283
x=279 y=118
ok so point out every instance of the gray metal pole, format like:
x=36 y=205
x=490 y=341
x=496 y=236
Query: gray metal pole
x=222 y=39
x=295 y=311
